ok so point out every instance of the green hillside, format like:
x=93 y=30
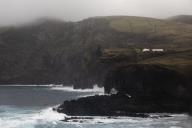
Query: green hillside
x=180 y=61
x=70 y=52
x=187 y=19
x=164 y=34
x=182 y=58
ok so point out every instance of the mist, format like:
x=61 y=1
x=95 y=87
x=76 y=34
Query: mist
x=22 y=11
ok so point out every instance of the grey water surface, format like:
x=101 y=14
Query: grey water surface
x=31 y=107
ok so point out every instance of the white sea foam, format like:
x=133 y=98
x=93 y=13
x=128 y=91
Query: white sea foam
x=114 y=120
x=38 y=117
x=19 y=118
x=31 y=118
x=48 y=115
x=47 y=118
x=137 y=121
x=106 y=120
x=71 y=89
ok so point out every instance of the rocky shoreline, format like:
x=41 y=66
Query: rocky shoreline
x=83 y=119
x=135 y=89
x=120 y=105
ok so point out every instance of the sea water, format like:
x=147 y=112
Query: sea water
x=31 y=107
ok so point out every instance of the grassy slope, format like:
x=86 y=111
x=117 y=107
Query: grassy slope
x=180 y=36
x=179 y=58
x=158 y=33
x=187 y=19
x=180 y=61
x=53 y=50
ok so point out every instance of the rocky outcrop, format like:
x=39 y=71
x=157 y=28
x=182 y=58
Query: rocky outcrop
x=150 y=81
x=141 y=89
x=120 y=105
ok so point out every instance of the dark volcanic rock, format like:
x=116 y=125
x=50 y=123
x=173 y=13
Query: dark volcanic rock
x=150 y=81
x=119 y=105
x=141 y=89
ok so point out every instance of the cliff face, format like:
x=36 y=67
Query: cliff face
x=150 y=81
x=140 y=88
x=120 y=105
x=69 y=52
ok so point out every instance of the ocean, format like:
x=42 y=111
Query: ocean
x=31 y=107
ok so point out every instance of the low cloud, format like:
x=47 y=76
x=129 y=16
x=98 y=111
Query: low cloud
x=21 y=11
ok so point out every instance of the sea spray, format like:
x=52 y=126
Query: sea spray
x=71 y=89
x=28 y=118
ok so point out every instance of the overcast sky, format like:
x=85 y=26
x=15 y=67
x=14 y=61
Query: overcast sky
x=21 y=11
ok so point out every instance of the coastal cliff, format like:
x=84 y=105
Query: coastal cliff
x=69 y=53
x=139 y=89
x=145 y=80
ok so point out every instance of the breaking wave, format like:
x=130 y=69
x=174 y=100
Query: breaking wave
x=12 y=117
x=71 y=89
x=37 y=116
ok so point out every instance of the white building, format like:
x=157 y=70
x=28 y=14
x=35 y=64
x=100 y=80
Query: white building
x=146 y=50
x=152 y=50
x=157 y=50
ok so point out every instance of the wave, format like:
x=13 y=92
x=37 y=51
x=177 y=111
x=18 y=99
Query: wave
x=98 y=120
x=120 y=119
x=96 y=89
x=71 y=89
x=11 y=117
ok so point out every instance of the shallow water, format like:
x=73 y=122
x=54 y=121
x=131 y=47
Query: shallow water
x=31 y=107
